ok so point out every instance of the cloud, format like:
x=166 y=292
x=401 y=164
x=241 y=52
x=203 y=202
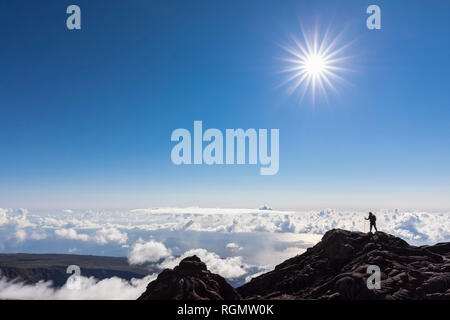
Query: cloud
x=3 y=218
x=416 y=226
x=38 y=236
x=153 y=251
x=233 y=246
x=120 y=227
x=71 y=234
x=101 y=236
x=21 y=235
x=18 y=217
x=257 y=274
x=231 y=267
x=111 y=234
x=22 y=211
x=150 y=251
x=195 y=210
x=90 y=289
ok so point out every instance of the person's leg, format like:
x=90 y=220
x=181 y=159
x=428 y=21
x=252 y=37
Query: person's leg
x=370 y=228
x=375 y=226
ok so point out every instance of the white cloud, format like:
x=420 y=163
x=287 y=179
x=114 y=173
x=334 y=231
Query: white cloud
x=3 y=217
x=106 y=235
x=195 y=210
x=90 y=289
x=38 y=236
x=101 y=236
x=150 y=251
x=21 y=235
x=231 y=267
x=233 y=246
x=71 y=234
x=103 y=227
x=254 y=275
x=47 y=222
x=19 y=218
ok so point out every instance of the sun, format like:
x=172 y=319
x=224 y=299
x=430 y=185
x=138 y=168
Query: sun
x=315 y=64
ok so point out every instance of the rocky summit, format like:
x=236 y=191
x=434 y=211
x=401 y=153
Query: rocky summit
x=335 y=268
x=190 y=280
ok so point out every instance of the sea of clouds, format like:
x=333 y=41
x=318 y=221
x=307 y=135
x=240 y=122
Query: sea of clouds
x=235 y=243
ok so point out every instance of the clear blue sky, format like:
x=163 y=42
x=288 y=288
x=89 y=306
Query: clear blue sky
x=86 y=116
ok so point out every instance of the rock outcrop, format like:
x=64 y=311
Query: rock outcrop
x=190 y=280
x=336 y=268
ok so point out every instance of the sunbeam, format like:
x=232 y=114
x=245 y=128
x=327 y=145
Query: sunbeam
x=314 y=64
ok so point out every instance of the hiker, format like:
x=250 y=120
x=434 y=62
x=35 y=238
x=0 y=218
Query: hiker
x=373 y=221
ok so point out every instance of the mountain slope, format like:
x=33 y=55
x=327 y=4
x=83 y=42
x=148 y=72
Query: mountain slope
x=336 y=268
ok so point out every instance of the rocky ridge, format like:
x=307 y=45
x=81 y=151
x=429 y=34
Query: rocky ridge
x=335 y=268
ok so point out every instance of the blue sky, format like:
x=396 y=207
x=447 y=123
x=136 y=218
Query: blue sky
x=87 y=115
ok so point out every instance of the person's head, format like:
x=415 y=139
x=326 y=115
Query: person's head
x=370 y=214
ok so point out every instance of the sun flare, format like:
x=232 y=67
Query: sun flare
x=314 y=64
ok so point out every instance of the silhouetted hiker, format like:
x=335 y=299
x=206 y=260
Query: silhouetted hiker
x=373 y=221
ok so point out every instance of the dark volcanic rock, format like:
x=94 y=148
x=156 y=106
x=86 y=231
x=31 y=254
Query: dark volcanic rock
x=190 y=280
x=336 y=268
